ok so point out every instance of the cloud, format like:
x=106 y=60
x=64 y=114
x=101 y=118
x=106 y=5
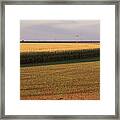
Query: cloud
x=60 y=30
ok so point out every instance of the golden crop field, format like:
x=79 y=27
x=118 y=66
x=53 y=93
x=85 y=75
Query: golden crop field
x=80 y=81
x=59 y=81
x=40 y=47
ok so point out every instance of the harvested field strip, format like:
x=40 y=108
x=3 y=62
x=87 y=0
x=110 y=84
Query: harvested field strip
x=61 y=81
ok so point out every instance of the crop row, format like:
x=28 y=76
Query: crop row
x=45 y=57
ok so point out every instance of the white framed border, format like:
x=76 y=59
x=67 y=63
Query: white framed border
x=110 y=114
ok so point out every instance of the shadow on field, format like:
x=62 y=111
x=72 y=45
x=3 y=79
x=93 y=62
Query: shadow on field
x=29 y=59
x=60 y=62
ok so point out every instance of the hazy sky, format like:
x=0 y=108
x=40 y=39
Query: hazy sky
x=59 y=30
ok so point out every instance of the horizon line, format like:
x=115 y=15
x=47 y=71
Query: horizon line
x=83 y=41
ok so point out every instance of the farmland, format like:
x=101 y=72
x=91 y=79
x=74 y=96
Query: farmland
x=51 y=47
x=60 y=71
x=45 y=53
x=62 y=81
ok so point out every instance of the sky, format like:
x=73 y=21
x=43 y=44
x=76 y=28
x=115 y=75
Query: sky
x=59 y=30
